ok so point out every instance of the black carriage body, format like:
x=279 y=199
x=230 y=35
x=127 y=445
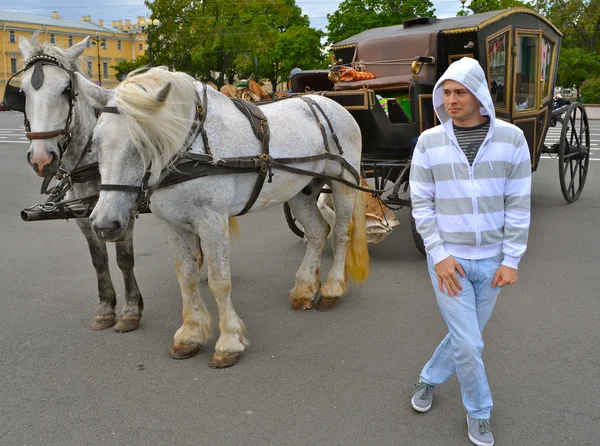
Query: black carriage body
x=517 y=48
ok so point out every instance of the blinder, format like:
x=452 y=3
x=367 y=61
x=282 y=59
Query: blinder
x=14 y=98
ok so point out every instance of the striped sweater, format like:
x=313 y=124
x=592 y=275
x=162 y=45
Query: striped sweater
x=477 y=211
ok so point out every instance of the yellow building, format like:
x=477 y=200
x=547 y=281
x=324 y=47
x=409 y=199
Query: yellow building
x=108 y=44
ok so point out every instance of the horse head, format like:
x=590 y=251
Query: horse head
x=136 y=137
x=49 y=93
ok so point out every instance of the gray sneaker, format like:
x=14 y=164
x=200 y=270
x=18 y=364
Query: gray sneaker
x=422 y=398
x=480 y=431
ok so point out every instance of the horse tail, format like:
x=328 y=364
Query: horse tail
x=357 y=256
x=234 y=227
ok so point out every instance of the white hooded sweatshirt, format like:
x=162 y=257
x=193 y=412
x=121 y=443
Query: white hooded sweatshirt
x=478 y=211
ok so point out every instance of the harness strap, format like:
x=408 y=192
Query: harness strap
x=312 y=103
x=203 y=119
x=46 y=135
x=260 y=126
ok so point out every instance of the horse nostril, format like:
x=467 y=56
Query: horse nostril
x=115 y=226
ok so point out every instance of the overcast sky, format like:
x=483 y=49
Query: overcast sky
x=110 y=10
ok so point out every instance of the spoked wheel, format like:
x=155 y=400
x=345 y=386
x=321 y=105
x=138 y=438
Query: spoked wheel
x=293 y=224
x=416 y=236
x=574 y=152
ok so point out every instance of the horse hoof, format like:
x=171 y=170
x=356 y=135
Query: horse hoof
x=125 y=324
x=326 y=303
x=103 y=322
x=183 y=351
x=221 y=360
x=302 y=304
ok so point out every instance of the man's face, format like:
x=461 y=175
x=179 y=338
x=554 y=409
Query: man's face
x=461 y=105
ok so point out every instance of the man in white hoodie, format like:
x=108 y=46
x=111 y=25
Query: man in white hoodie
x=470 y=184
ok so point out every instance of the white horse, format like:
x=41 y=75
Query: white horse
x=150 y=120
x=61 y=109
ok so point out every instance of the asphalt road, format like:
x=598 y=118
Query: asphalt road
x=311 y=378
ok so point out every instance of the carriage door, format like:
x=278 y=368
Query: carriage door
x=533 y=53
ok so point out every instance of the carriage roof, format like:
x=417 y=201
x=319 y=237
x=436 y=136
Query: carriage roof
x=426 y=26
x=389 y=52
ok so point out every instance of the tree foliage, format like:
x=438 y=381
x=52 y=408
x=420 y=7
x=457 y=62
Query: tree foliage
x=219 y=40
x=479 y=6
x=575 y=65
x=590 y=91
x=355 y=16
x=579 y=20
x=124 y=67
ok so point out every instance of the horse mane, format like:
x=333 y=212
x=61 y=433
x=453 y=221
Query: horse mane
x=48 y=49
x=157 y=126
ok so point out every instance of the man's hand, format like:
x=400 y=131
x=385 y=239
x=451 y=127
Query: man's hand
x=446 y=274
x=505 y=276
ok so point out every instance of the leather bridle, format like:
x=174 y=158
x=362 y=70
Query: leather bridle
x=14 y=98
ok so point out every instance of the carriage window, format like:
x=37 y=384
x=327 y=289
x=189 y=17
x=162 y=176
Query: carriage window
x=497 y=59
x=547 y=57
x=11 y=37
x=526 y=71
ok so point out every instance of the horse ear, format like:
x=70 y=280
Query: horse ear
x=99 y=95
x=161 y=96
x=25 y=47
x=75 y=51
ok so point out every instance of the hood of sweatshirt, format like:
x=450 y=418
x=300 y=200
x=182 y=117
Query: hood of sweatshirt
x=469 y=73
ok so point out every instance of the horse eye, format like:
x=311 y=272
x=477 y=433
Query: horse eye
x=67 y=90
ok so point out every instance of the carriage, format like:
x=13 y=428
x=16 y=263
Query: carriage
x=385 y=78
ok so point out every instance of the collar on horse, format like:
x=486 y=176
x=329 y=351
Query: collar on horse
x=189 y=165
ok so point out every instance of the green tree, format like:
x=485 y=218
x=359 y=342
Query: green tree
x=575 y=65
x=579 y=20
x=590 y=91
x=217 y=40
x=355 y=16
x=479 y=6
x=124 y=67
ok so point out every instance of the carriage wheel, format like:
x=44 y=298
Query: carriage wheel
x=574 y=152
x=419 y=243
x=293 y=224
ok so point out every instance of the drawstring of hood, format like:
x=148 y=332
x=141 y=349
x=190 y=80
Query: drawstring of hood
x=469 y=73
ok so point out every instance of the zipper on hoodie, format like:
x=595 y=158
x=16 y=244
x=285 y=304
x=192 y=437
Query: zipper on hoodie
x=475 y=209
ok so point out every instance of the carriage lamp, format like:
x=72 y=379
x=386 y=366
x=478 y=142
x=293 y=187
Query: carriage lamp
x=146 y=26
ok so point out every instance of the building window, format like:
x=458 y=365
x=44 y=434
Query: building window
x=103 y=44
x=119 y=45
x=52 y=39
x=89 y=43
x=13 y=64
x=105 y=68
x=11 y=37
x=139 y=46
x=70 y=40
x=89 y=67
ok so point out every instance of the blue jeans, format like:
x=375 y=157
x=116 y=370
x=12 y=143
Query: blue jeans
x=460 y=351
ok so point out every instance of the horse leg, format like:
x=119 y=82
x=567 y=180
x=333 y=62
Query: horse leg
x=134 y=304
x=105 y=313
x=316 y=229
x=215 y=246
x=197 y=324
x=335 y=285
